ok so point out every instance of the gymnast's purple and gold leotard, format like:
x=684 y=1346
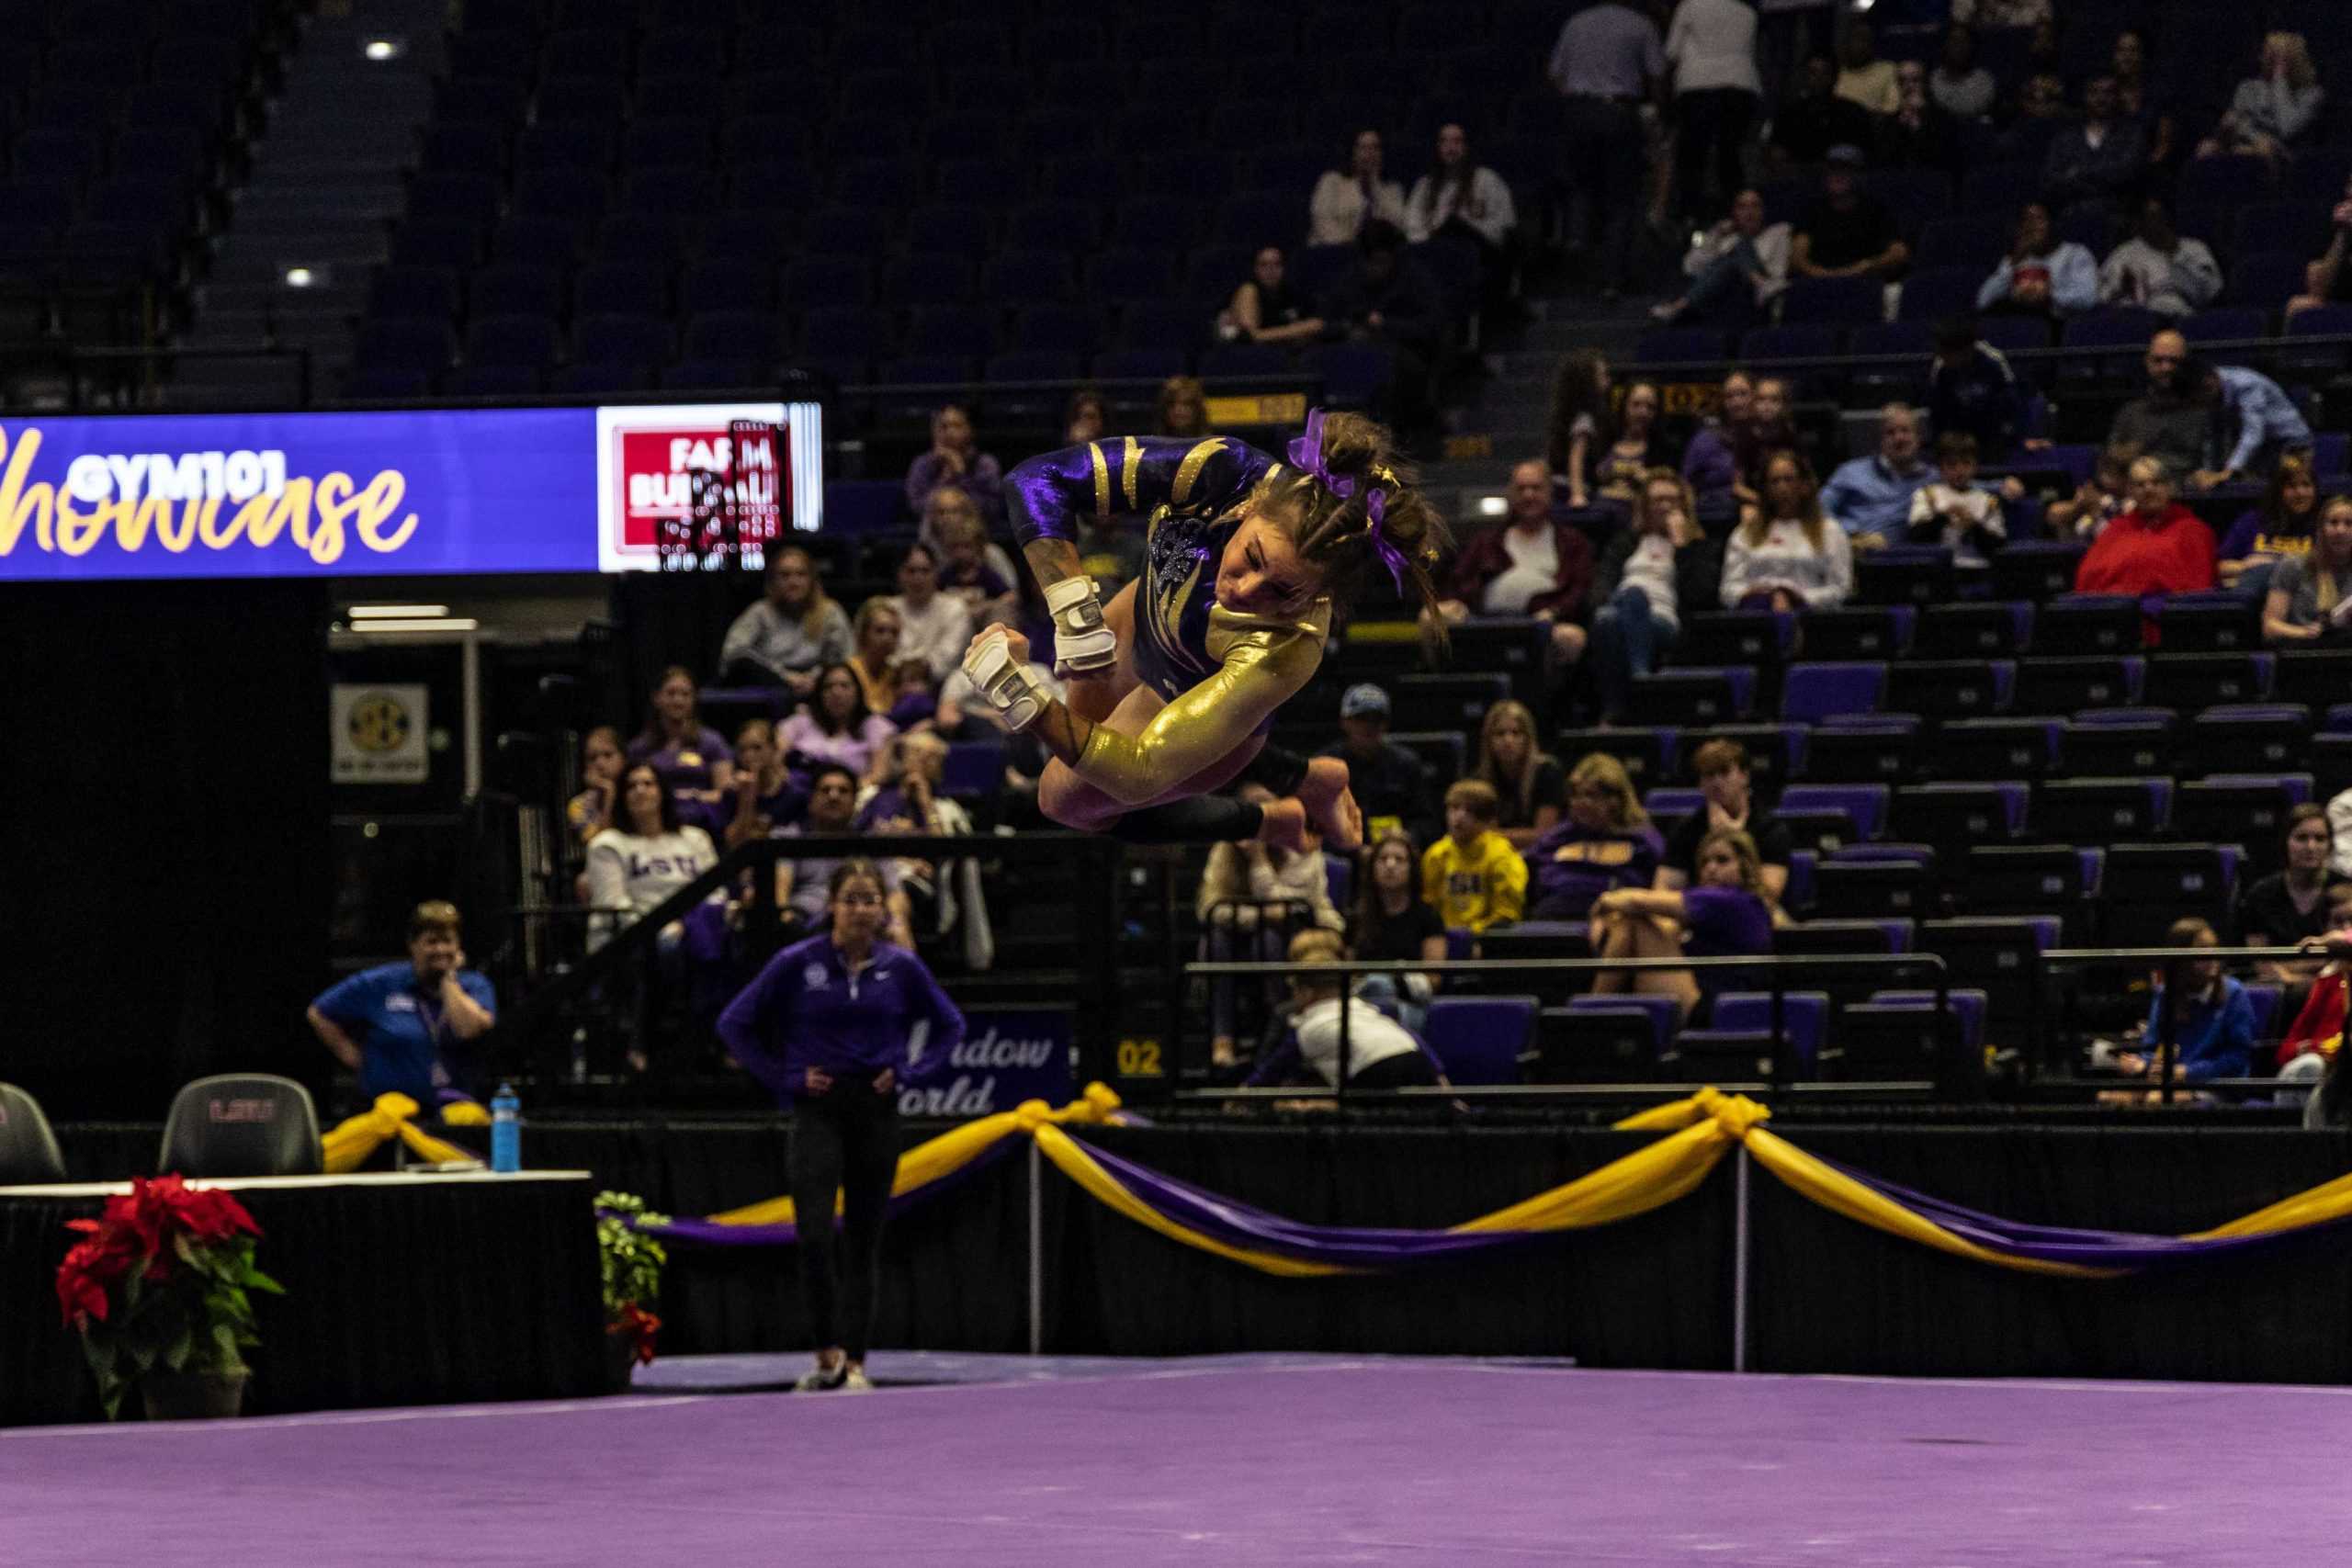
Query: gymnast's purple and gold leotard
x=1222 y=673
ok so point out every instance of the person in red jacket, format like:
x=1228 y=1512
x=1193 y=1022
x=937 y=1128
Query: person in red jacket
x=1532 y=565
x=2158 y=547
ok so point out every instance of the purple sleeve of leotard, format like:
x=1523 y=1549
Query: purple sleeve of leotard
x=1048 y=497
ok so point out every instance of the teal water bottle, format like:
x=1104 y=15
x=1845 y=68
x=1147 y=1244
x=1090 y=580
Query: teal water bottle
x=506 y=1130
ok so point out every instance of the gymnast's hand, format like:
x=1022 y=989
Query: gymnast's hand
x=997 y=665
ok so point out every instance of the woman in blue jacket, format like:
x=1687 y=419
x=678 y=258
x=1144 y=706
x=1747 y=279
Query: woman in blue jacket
x=825 y=1025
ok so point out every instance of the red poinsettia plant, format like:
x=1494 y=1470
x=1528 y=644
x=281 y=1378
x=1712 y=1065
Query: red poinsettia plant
x=160 y=1283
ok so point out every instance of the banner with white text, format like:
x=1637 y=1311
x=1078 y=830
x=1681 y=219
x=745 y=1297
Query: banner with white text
x=489 y=490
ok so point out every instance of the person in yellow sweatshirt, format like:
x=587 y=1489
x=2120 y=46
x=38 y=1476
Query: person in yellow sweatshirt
x=1472 y=876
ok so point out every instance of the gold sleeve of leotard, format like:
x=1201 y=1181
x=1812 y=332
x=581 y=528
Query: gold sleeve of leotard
x=1260 y=670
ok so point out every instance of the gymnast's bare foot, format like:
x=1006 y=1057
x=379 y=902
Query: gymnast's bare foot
x=1330 y=805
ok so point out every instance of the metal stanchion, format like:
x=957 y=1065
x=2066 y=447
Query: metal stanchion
x=1036 y=1251
x=1739 y=1245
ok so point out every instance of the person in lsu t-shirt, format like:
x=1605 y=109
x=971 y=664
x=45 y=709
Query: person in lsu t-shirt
x=1472 y=876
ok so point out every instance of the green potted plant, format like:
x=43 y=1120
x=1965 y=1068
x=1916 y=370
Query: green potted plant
x=632 y=1269
x=158 y=1290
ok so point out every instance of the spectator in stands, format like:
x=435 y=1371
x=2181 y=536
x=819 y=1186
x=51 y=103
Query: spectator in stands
x=1579 y=422
x=644 y=857
x=955 y=460
x=1639 y=445
x=1391 y=922
x=764 y=798
x=1972 y=389
x=2137 y=101
x=875 y=628
x=1607 y=63
x=1652 y=574
x=692 y=759
x=1266 y=309
x=2312 y=1047
x=833 y=1049
x=801 y=882
x=1390 y=783
x=2099 y=157
x=1712 y=46
x=1183 y=408
x=2173 y=419
x=782 y=638
x=1871 y=496
x=1809 y=127
x=1382 y=1052
x=1346 y=200
x=2286 y=907
x=2274 y=112
x=1737 y=268
x=1726 y=914
x=1462 y=199
x=1919 y=134
x=1724 y=778
x=942 y=896
x=1958 y=511
x=2283 y=524
x=408 y=1013
x=1787 y=555
x=1848 y=234
x=1959 y=86
x=2041 y=115
x=2214 y=1031
x=1391 y=299
x=2043 y=275
x=2259 y=425
x=1253 y=897
x=1711 y=463
x=2160 y=269
x=1863 y=78
x=1528 y=781
x=932 y=627
x=601 y=760
x=2158 y=547
x=1771 y=428
x=1472 y=876
x=970 y=567
x=1605 y=842
x=2310 y=598
x=1082 y=419
x=2328 y=281
x=2099 y=500
x=1533 y=565
x=836 y=725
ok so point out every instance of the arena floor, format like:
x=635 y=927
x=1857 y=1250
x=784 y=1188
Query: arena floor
x=986 y=1460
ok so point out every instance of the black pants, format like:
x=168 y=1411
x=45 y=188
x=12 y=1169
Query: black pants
x=1605 y=159
x=1711 y=119
x=1407 y=1069
x=845 y=1141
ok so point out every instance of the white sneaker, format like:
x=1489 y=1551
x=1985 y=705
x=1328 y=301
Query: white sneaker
x=855 y=1382
x=823 y=1379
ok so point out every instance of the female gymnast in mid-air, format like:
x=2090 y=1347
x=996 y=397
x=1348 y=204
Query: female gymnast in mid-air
x=1173 y=684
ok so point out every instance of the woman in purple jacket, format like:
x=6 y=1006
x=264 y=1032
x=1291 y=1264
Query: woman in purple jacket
x=825 y=1026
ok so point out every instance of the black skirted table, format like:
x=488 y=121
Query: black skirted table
x=413 y=1287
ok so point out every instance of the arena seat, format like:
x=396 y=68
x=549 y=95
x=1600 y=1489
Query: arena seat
x=1696 y=697
x=1602 y=1038
x=1480 y=1040
x=241 y=1124
x=1982 y=749
x=29 y=1151
x=1847 y=889
x=1740 y=1036
x=1813 y=693
x=2058 y=687
x=1956 y=819
x=2239 y=737
x=2145 y=888
x=2102 y=810
x=1878 y=749
x=1897 y=1034
x=1951 y=689
x=1857 y=632
x=1735 y=637
x=1980 y=631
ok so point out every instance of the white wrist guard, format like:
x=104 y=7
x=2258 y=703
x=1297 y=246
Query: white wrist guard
x=1007 y=683
x=1082 y=643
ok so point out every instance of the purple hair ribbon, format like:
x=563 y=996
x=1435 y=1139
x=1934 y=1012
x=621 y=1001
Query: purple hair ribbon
x=1306 y=452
